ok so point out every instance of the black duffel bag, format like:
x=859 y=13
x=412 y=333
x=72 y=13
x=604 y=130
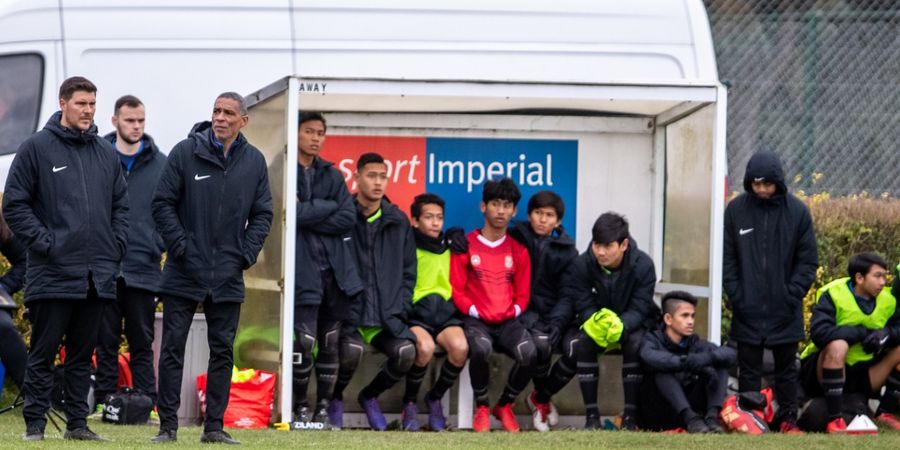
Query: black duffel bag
x=127 y=407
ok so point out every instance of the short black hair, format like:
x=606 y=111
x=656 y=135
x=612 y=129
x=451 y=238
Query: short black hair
x=127 y=100
x=671 y=300
x=609 y=227
x=415 y=210
x=547 y=198
x=308 y=116
x=74 y=84
x=862 y=263
x=368 y=158
x=502 y=189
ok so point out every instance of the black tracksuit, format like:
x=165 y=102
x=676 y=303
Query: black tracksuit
x=214 y=214
x=67 y=201
x=326 y=276
x=550 y=312
x=769 y=263
x=139 y=280
x=628 y=292
x=688 y=387
x=386 y=258
x=13 y=353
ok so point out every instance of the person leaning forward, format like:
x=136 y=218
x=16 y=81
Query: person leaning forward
x=66 y=200
x=213 y=208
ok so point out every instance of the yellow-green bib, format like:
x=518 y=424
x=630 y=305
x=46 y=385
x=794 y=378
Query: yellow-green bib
x=847 y=313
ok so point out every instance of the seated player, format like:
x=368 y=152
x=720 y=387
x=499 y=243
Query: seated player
x=549 y=313
x=386 y=258
x=433 y=316
x=854 y=331
x=491 y=285
x=687 y=377
x=611 y=286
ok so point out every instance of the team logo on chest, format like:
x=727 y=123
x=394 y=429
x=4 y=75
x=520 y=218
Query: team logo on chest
x=508 y=262
x=476 y=260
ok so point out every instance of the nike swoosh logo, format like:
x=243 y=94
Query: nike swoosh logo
x=743 y=231
x=57 y=169
x=198 y=177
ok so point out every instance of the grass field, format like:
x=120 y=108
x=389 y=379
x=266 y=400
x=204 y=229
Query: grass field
x=12 y=427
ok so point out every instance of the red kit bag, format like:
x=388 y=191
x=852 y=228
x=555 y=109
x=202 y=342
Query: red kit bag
x=250 y=400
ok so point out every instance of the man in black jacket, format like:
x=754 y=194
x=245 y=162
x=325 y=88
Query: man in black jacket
x=769 y=263
x=549 y=314
x=688 y=373
x=611 y=285
x=66 y=200
x=213 y=209
x=142 y=163
x=386 y=258
x=326 y=276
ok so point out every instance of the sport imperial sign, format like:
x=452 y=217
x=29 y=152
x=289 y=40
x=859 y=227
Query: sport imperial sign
x=455 y=169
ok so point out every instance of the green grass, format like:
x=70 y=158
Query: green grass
x=12 y=427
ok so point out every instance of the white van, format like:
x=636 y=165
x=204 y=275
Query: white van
x=624 y=93
x=177 y=55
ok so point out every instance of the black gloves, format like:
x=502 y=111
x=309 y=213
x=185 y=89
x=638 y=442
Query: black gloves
x=876 y=340
x=456 y=240
x=695 y=362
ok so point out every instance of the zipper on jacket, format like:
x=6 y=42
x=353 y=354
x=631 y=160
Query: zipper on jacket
x=215 y=238
x=87 y=200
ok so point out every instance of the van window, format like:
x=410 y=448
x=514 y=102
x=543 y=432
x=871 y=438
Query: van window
x=21 y=79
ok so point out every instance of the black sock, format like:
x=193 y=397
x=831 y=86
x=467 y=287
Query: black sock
x=301 y=382
x=560 y=375
x=632 y=377
x=587 y=378
x=889 y=400
x=343 y=379
x=382 y=382
x=518 y=379
x=833 y=385
x=448 y=376
x=688 y=414
x=326 y=377
x=414 y=379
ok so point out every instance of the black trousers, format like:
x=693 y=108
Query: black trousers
x=787 y=374
x=52 y=320
x=221 y=322
x=665 y=395
x=512 y=339
x=137 y=307
x=13 y=353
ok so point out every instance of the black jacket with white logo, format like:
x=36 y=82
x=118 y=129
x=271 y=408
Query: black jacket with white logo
x=213 y=215
x=770 y=258
x=66 y=200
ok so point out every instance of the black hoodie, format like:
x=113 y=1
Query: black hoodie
x=550 y=260
x=140 y=266
x=67 y=201
x=213 y=215
x=630 y=295
x=770 y=258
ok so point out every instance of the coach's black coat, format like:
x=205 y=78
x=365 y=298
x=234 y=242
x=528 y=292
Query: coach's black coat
x=66 y=200
x=631 y=296
x=140 y=266
x=213 y=214
x=770 y=259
